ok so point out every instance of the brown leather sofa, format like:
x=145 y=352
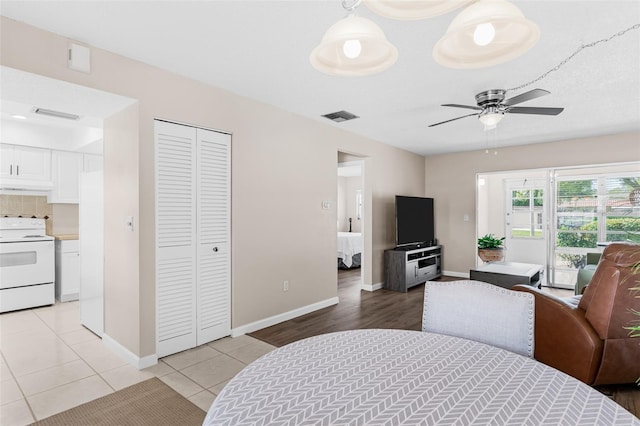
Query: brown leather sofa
x=585 y=336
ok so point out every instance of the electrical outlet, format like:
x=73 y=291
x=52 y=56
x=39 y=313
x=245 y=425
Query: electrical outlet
x=285 y=286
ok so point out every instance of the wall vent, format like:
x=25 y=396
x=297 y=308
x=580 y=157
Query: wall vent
x=57 y=114
x=340 y=116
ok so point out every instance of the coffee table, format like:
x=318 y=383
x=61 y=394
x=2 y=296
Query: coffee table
x=508 y=274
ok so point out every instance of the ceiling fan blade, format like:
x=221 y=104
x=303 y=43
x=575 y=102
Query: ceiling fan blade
x=526 y=96
x=535 y=110
x=463 y=106
x=453 y=119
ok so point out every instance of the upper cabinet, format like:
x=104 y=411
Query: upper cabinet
x=57 y=173
x=66 y=168
x=25 y=167
x=92 y=162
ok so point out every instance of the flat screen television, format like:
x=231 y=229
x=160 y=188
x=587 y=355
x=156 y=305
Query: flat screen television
x=414 y=221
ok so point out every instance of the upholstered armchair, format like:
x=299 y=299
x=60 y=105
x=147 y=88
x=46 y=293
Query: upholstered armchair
x=585 y=336
x=481 y=312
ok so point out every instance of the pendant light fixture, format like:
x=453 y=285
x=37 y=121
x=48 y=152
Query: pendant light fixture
x=353 y=46
x=486 y=33
x=413 y=9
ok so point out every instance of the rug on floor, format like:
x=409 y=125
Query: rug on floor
x=147 y=403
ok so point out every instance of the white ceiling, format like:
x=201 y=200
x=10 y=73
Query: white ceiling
x=22 y=92
x=260 y=49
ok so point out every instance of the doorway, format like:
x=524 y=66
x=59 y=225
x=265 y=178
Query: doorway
x=76 y=142
x=513 y=205
x=350 y=221
x=525 y=234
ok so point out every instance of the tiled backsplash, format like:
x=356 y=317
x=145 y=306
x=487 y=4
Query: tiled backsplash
x=36 y=205
x=25 y=205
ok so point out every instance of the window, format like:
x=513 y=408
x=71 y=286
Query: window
x=590 y=212
x=620 y=213
x=526 y=213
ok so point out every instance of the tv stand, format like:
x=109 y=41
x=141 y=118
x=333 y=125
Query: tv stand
x=405 y=268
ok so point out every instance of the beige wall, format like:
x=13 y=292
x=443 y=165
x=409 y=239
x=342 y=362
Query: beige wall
x=450 y=180
x=283 y=167
x=123 y=301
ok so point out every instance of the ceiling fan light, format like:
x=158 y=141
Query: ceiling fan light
x=337 y=53
x=409 y=10
x=484 y=34
x=490 y=119
x=514 y=35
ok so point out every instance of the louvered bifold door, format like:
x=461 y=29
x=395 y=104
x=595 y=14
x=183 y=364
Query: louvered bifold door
x=175 y=237
x=214 y=268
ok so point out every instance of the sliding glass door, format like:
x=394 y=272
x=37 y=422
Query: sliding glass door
x=592 y=208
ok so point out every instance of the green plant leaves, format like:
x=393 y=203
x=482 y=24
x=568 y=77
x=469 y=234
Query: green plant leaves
x=489 y=241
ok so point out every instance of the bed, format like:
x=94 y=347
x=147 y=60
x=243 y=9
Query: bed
x=349 y=250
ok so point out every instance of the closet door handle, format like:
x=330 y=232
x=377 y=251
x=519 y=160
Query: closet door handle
x=17 y=170
x=10 y=169
x=215 y=249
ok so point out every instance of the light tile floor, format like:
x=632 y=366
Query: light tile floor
x=50 y=363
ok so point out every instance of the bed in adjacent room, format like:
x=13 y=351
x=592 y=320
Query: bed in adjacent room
x=349 y=250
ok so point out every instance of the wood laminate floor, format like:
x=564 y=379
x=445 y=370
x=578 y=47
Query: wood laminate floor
x=359 y=309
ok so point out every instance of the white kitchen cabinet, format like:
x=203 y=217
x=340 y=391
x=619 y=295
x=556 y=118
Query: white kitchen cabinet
x=193 y=256
x=92 y=163
x=66 y=168
x=67 y=270
x=24 y=167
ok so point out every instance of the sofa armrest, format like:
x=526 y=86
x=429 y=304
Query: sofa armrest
x=564 y=339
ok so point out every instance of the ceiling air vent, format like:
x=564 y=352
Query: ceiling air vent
x=57 y=114
x=340 y=116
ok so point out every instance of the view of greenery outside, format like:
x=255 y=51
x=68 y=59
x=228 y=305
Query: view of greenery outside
x=526 y=233
x=580 y=220
x=526 y=218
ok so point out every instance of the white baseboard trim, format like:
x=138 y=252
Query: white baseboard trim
x=456 y=274
x=285 y=316
x=371 y=287
x=127 y=355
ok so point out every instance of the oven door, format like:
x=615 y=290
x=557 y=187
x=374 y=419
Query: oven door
x=26 y=263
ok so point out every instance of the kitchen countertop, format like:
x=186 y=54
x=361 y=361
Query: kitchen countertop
x=62 y=237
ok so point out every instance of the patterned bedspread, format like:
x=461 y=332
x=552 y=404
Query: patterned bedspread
x=397 y=377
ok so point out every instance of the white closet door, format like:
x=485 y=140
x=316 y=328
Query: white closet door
x=214 y=269
x=175 y=237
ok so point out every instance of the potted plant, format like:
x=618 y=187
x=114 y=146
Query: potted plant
x=490 y=248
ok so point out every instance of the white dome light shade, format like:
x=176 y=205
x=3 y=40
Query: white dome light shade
x=413 y=9
x=491 y=118
x=514 y=35
x=484 y=34
x=353 y=46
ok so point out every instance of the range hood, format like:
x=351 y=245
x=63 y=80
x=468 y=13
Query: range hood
x=25 y=187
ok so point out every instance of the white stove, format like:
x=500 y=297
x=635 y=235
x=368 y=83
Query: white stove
x=27 y=264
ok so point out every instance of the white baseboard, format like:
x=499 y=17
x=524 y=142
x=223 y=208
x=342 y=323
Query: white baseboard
x=456 y=274
x=285 y=316
x=127 y=355
x=371 y=287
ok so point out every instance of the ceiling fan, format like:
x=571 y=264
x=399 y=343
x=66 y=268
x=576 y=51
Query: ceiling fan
x=492 y=106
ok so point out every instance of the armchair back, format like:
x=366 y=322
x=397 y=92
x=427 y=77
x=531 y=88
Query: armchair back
x=611 y=302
